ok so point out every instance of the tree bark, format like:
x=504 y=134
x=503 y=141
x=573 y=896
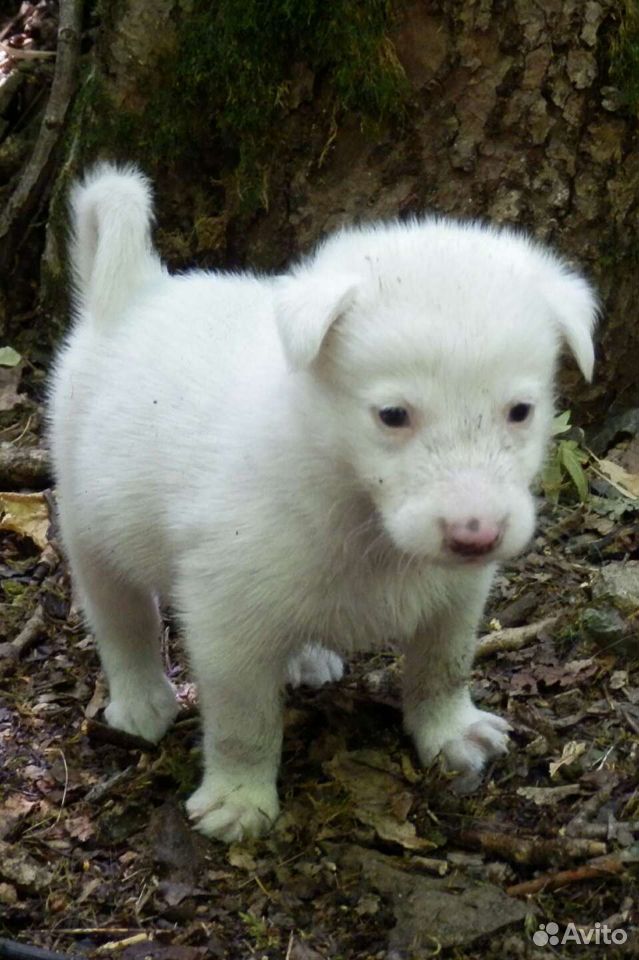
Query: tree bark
x=512 y=116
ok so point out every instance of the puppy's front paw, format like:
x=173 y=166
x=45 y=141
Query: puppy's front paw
x=469 y=753
x=314 y=666
x=147 y=712
x=228 y=811
x=467 y=744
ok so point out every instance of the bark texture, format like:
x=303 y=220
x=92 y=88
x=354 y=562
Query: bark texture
x=511 y=115
x=515 y=120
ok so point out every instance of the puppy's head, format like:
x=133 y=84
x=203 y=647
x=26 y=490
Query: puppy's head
x=430 y=351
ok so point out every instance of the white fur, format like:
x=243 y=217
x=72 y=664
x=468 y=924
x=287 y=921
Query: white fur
x=217 y=442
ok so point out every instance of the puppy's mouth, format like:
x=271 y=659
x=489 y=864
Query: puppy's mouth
x=472 y=552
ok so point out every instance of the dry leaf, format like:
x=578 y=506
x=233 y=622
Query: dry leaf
x=627 y=483
x=20 y=868
x=548 y=796
x=380 y=799
x=99 y=699
x=80 y=827
x=240 y=858
x=571 y=752
x=26 y=514
x=12 y=811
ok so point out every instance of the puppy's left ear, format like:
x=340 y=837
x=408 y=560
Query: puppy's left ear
x=306 y=307
x=575 y=307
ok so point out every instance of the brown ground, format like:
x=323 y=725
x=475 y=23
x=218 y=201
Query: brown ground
x=372 y=858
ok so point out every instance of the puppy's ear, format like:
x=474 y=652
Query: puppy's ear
x=306 y=307
x=575 y=308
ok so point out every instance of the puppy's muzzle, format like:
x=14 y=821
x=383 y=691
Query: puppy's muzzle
x=473 y=537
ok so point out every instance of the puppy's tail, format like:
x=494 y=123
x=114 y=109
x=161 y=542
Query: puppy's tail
x=112 y=256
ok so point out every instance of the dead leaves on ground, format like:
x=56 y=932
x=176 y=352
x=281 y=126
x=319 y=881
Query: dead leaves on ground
x=371 y=854
x=26 y=514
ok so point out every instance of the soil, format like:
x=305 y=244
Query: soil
x=371 y=857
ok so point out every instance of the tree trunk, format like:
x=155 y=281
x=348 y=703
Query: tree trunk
x=490 y=108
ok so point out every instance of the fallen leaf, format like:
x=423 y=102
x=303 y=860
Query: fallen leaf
x=302 y=951
x=9 y=357
x=571 y=752
x=19 y=868
x=26 y=514
x=89 y=888
x=548 y=796
x=566 y=674
x=175 y=893
x=99 y=698
x=380 y=799
x=8 y=895
x=240 y=858
x=619 y=679
x=80 y=828
x=12 y=811
x=626 y=483
x=174 y=845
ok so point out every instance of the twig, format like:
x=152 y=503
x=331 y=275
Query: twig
x=23 y=466
x=49 y=562
x=101 y=790
x=512 y=638
x=114 y=945
x=25 y=53
x=66 y=785
x=93 y=931
x=577 y=827
x=12 y=950
x=33 y=178
x=33 y=629
x=289 y=948
x=535 y=851
x=601 y=867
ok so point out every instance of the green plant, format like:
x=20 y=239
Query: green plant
x=263 y=934
x=624 y=54
x=564 y=468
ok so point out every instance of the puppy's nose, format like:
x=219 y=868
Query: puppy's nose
x=472 y=537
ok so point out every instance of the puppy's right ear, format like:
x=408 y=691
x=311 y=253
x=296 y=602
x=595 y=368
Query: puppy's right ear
x=306 y=307
x=575 y=309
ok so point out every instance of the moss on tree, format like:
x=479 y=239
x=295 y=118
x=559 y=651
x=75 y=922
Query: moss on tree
x=230 y=78
x=624 y=55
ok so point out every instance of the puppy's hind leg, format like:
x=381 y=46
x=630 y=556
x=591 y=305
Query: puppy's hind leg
x=126 y=624
x=314 y=666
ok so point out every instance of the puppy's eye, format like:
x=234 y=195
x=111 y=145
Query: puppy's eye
x=520 y=412
x=394 y=416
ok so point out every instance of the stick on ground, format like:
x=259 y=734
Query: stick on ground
x=512 y=638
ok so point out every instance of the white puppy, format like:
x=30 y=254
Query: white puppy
x=327 y=460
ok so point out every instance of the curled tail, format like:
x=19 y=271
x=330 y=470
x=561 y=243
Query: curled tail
x=111 y=251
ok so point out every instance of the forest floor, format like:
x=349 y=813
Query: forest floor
x=371 y=857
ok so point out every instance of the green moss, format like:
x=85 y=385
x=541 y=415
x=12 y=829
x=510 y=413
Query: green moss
x=624 y=55
x=228 y=86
